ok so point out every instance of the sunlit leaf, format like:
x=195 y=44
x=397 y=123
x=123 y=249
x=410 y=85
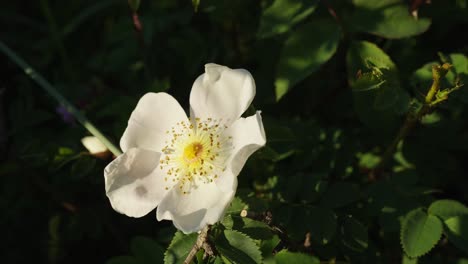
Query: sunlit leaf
x=252 y=228
x=267 y=247
x=420 y=232
x=458 y=225
x=237 y=205
x=457 y=231
x=446 y=209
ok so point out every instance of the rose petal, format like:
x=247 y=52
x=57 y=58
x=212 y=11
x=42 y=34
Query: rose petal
x=134 y=184
x=191 y=212
x=221 y=92
x=154 y=114
x=248 y=136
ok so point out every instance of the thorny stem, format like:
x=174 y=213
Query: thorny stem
x=202 y=242
x=438 y=72
x=35 y=76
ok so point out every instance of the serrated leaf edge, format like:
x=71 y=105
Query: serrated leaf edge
x=403 y=227
x=176 y=234
x=253 y=240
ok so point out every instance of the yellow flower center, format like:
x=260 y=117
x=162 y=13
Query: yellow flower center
x=195 y=153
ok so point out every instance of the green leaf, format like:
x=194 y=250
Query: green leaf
x=387 y=18
x=237 y=247
x=267 y=247
x=252 y=228
x=377 y=93
x=354 y=234
x=179 y=248
x=458 y=225
x=457 y=231
x=286 y=257
x=420 y=232
x=306 y=49
x=446 y=209
x=459 y=72
x=146 y=250
x=322 y=225
x=237 y=205
x=217 y=260
x=280 y=16
x=363 y=54
x=340 y=194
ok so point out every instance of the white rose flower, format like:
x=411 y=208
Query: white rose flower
x=187 y=168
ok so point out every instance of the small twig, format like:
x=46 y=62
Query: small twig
x=266 y=217
x=438 y=72
x=202 y=242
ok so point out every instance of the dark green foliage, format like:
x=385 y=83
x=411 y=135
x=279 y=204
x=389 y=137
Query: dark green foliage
x=179 y=248
x=144 y=250
x=337 y=82
x=387 y=18
x=305 y=50
x=354 y=234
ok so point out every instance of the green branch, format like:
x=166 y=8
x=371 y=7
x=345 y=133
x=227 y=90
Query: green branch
x=433 y=97
x=33 y=74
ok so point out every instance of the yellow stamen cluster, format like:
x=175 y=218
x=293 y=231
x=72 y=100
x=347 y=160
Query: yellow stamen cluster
x=195 y=153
